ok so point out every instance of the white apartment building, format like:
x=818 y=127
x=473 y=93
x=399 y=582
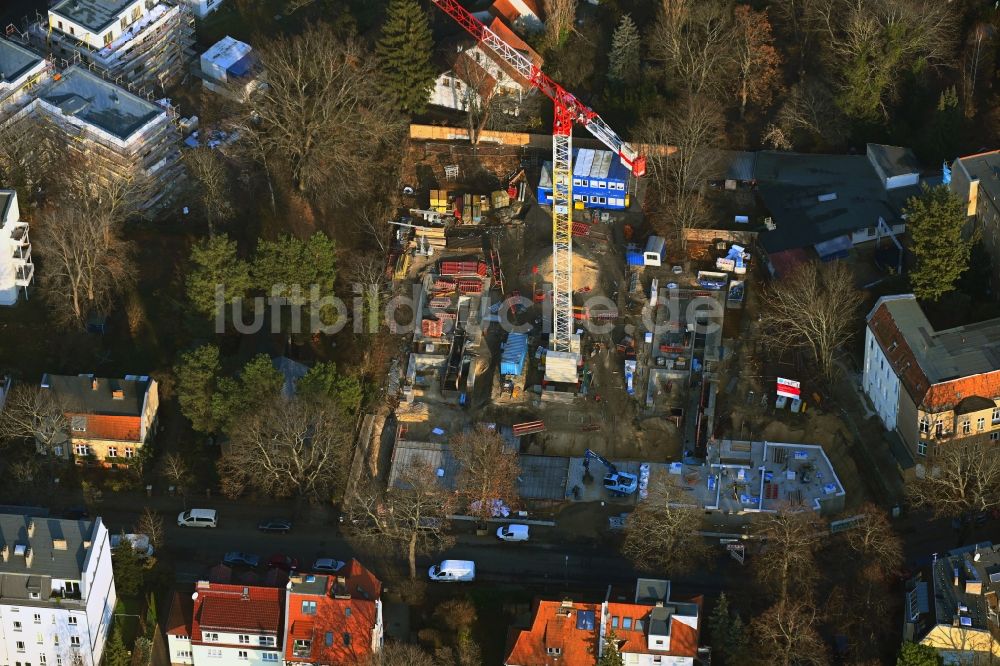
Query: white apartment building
x=141 y=43
x=16 y=270
x=202 y=8
x=57 y=591
x=226 y=625
x=20 y=71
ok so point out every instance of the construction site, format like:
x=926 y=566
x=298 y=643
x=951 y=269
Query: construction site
x=545 y=304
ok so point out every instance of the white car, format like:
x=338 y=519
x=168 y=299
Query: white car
x=513 y=533
x=140 y=543
x=327 y=565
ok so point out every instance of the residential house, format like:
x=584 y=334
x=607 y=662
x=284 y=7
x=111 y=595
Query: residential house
x=975 y=179
x=933 y=388
x=120 y=135
x=57 y=591
x=333 y=620
x=475 y=76
x=522 y=15
x=651 y=630
x=17 y=272
x=21 y=71
x=226 y=625
x=821 y=206
x=143 y=44
x=953 y=608
x=110 y=420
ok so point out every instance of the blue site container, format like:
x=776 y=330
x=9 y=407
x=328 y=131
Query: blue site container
x=635 y=258
x=514 y=354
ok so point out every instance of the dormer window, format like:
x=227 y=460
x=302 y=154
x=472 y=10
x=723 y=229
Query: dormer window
x=553 y=651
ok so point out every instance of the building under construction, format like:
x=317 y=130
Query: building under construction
x=118 y=134
x=142 y=45
x=21 y=71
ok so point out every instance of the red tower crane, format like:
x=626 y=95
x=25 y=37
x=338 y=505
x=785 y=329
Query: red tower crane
x=568 y=110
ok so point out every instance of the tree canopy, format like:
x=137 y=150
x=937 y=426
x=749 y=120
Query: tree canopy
x=404 y=56
x=936 y=221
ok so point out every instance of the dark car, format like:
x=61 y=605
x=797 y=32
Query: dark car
x=77 y=513
x=276 y=525
x=238 y=558
x=283 y=562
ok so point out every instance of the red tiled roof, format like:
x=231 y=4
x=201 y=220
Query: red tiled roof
x=683 y=637
x=223 y=607
x=506 y=34
x=947 y=395
x=341 y=628
x=100 y=426
x=506 y=9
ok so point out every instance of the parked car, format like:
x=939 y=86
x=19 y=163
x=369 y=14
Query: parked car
x=276 y=525
x=327 y=565
x=283 y=562
x=198 y=518
x=140 y=544
x=453 y=571
x=513 y=533
x=238 y=558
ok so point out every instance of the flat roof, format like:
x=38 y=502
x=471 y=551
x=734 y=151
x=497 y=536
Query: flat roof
x=815 y=198
x=95 y=15
x=86 y=96
x=894 y=160
x=15 y=60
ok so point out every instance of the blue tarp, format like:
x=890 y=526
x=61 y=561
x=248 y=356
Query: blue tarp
x=242 y=66
x=514 y=354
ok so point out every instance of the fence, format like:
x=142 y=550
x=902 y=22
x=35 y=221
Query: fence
x=521 y=139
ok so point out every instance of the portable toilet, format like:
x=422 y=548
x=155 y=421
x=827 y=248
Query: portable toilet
x=655 y=251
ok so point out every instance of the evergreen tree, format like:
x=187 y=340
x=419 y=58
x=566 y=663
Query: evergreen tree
x=115 y=652
x=290 y=268
x=623 y=67
x=196 y=386
x=324 y=382
x=215 y=263
x=611 y=656
x=935 y=221
x=152 y=616
x=257 y=383
x=913 y=654
x=942 y=136
x=127 y=569
x=728 y=636
x=404 y=55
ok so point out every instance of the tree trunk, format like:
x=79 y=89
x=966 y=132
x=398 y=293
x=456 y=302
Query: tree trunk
x=413 y=556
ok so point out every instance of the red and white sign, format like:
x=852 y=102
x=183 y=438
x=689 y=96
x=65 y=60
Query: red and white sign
x=788 y=387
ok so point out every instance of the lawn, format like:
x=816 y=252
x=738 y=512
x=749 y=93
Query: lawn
x=127 y=613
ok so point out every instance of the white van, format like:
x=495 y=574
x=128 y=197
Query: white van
x=453 y=571
x=198 y=518
x=513 y=533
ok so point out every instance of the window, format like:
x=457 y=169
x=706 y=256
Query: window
x=553 y=651
x=939 y=428
x=994 y=436
x=921 y=448
x=20 y=646
x=55 y=639
x=269 y=656
x=602 y=185
x=925 y=425
x=123 y=23
x=58 y=660
x=17 y=626
x=72 y=31
x=39 y=638
x=136 y=12
x=966 y=427
x=72 y=618
x=328 y=639
x=593 y=199
x=614 y=622
x=212 y=638
x=242 y=655
x=129 y=451
x=74 y=641
x=301 y=647
x=81 y=449
x=112 y=451
x=57 y=449
x=107 y=38
x=577 y=182
x=215 y=653
x=602 y=200
x=996 y=415
x=42 y=659
x=38 y=618
x=981 y=423
x=60 y=25
x=244 y=639
x=308 y=607
x=626 y=623
x=266 y=641
x=347 y=639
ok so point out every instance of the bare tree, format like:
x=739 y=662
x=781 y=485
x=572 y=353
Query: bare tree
x=810 y=113
x=873 y=538
x=755 y=61
x=977 y=54
x=31 y=412
x=488 y=471
x=151 y=524
x=681 y=178
x=692 y=40
x=813 y=308
x=662 y=532
x=413 y=516
x=288 y=448
x=373 y=222
x=367 y=273
x=208 y=169
x=394 y=653
x=791 y=539
x=962 y=477
x=786 y=635
x=560 y=17
x=320 y=114
x=175 y=470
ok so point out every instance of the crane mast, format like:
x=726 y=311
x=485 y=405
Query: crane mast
x=568 y=109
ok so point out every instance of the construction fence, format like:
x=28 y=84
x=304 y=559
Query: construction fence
x=518 y=139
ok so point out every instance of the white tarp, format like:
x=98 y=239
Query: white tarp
x=561 y=367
